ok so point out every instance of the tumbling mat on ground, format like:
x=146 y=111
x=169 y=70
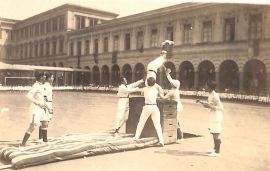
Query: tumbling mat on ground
x=69 y=147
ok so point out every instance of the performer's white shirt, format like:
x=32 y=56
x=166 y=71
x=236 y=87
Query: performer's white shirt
x=48 y=91
x=214 y=99
x=151 y=93
x=36 y=94
x=156 y=64
x=124 y=90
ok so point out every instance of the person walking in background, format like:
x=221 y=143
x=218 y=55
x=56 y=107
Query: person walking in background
x=123 y=102
x=48 y=100
x=37 y=112
x=150 y=108
x=215 y=115
x=174 y=95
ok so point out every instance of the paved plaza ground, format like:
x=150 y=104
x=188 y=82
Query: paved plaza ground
x=245 y=137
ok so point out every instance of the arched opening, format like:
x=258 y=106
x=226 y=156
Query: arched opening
x=86 y=77
x=186 y=75
x=139 y=71
x=206 y=72
x=127 y=73
x=105 y=75
x=254 y=77
x=166 y=83
x=115 y=75
x=95 y=75
x=229 y=76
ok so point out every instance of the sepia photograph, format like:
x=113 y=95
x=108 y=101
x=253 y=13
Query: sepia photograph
x=135 y=85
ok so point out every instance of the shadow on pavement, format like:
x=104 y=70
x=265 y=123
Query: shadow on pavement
x=182 y=153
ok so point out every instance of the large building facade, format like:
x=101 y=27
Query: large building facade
x=228 y=43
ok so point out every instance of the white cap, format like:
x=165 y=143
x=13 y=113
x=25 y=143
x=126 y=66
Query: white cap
x=164 y=51
x=175 y=83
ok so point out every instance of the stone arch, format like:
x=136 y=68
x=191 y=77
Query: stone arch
x=105 y=75
x=254 y=73
x=228 y=76
x=115 y=74
x=139 y=71
x=61 y=64
x=127 y=73
x=206 y=72
x=86 y=76
x=186 y=72
x=166 y=83
x=96 y=78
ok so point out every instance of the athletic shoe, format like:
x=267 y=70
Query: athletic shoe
x=180 y=140
x=214 y=154
x=21 y=148
x=160 y=144
x=115 y=134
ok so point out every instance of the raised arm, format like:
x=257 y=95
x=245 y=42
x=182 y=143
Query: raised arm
x=168 y=71
x=135 y=84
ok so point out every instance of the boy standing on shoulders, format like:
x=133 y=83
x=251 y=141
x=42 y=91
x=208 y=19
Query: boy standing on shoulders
x=215 y=115
x=174 y=95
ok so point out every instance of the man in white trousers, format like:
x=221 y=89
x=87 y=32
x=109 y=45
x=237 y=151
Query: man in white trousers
x=123 y=102
x=151 y=93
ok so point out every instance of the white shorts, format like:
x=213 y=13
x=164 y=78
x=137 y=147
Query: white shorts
x=37 y=114
x=215 y=119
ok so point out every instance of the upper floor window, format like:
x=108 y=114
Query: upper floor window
x=140 y=39
x=54 y=24
x=96 y=46
x=21 y=33
x=31 y=31
x=36 y=29
x=41 y=49
x=47 y=48
x=93 y=22
x=61 y=46
x=127 y=41
x=169 y=35
x=30 y=50
x=116 y=43
x=21 y=51
x=187 y=34
x=87 y=49
x=25 y=51
x=62 y=23
x=80 y=22
x=154 y=38
x=255 y=26
x=207 y=31
x=42 y=26
x=36 y=50
x=106 y=44
x=229 y=29
x=26 y=32
x=54 y=48
x=79 y=48
x=71 y=49
x=48 y=26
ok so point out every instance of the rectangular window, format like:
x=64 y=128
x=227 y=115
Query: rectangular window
x=78 y=22
x=21 y=33
x=42 y=26
x=207 y=31
x=61 y=46
x=62 y=24
x=71 y=49
x=229 y=29
x=169 y=35
x=93 y=22
x=96 y=46
x=154 y=38
x=79 y=48
x=55 y=24
x=256 y=26
x=36 y=50
x=116 y=43
x=25 y=51
x=26 y=33
x=106 y=44
x=82 y=22
x=140 y=40
x=87 y=47
x=54 y=48
x=31 y=31
x=21 y=51
x=48 y=26
x=30 y=50
x=127 y=41
x=187 y=34
x=47 y=48
x=36 y=29
x=41 y=49
x=17 y=35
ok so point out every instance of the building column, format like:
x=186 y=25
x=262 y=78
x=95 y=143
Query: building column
x=241 y=81
x=196 y=79
x=100 y=78
x=92 y=75
x=161 y=71
x=110 y=78
x=177 y=74
x=133 y=77
x=217 y=80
